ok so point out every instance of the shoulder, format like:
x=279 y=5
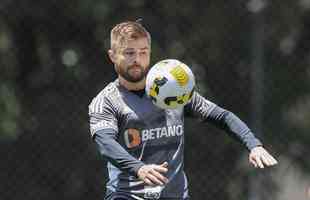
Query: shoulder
x=109 y=91
x=199 y=102
x=104 y=98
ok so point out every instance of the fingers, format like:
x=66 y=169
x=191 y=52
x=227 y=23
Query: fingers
x=253 y=162
x=259 y=157
x=153 y=174
x=269 y=160
x=163 y=168
x=148 y=181
x=154 y=179
x=266 y=160
x=159 y=176
x=274 y=161
x=164 y=164
x=258 y=161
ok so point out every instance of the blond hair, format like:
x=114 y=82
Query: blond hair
x=125 y=31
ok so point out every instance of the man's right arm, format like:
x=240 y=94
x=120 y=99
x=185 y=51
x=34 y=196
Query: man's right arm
x=115 y=153
x=104 y=131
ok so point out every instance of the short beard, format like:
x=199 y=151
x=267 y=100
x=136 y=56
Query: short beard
x=125 y=74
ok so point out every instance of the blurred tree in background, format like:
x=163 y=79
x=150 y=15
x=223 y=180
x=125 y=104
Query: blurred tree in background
x=53 y=61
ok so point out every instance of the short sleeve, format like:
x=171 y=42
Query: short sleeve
x=102 y=116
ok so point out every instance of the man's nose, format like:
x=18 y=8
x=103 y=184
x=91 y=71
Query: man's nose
x=137 y=59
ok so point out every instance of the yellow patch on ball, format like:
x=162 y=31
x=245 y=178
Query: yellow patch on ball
x=180 y=75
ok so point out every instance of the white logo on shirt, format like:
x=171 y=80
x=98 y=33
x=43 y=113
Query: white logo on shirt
x=134 y=137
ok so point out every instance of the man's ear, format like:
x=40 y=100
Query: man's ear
x=111 y=54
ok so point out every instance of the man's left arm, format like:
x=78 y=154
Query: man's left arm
x=232 y=124
x=228 y=121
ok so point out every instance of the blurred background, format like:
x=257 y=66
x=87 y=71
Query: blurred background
x=251 y=57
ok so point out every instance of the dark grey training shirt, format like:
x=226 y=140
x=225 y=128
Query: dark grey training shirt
x=130 y=132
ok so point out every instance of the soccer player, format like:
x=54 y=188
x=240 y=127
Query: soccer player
x=144 y=145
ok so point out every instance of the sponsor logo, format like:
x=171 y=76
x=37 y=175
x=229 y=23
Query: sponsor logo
x=134 y=137
x=152 y=195
x=152 y=192
x=156 y=133
x=103 y=125
x=180 y=75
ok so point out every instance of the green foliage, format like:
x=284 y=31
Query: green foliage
x=53 y=61
x=9 y=112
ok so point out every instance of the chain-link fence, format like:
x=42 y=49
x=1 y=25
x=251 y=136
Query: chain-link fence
x=250 y=57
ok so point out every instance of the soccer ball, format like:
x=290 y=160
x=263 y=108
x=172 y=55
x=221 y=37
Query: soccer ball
x=170 y=84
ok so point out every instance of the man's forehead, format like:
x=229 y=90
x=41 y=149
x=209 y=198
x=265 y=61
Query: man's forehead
x=141 y=43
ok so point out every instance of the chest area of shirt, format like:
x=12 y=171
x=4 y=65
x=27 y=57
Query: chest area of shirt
x=138 y=111
x=143 y=122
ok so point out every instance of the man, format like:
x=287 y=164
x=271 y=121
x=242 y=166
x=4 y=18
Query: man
x=126 y=126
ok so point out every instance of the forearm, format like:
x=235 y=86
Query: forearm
x=116 y=154
x=233 y=125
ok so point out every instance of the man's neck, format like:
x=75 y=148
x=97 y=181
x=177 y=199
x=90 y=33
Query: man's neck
x=130 y=85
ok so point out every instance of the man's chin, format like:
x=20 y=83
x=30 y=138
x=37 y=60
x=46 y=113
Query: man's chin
x=134 y=79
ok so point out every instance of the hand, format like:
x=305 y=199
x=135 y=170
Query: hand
x=260 y=157
x=152 y=174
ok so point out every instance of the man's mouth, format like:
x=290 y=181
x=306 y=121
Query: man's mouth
x=135 y=67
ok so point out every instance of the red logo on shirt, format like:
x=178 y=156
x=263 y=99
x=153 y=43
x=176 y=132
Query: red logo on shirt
x=132 y=138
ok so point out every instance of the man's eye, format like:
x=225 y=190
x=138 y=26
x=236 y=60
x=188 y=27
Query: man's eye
x=130 y=53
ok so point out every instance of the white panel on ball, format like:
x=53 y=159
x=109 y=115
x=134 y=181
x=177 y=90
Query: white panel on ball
x=170 y=84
